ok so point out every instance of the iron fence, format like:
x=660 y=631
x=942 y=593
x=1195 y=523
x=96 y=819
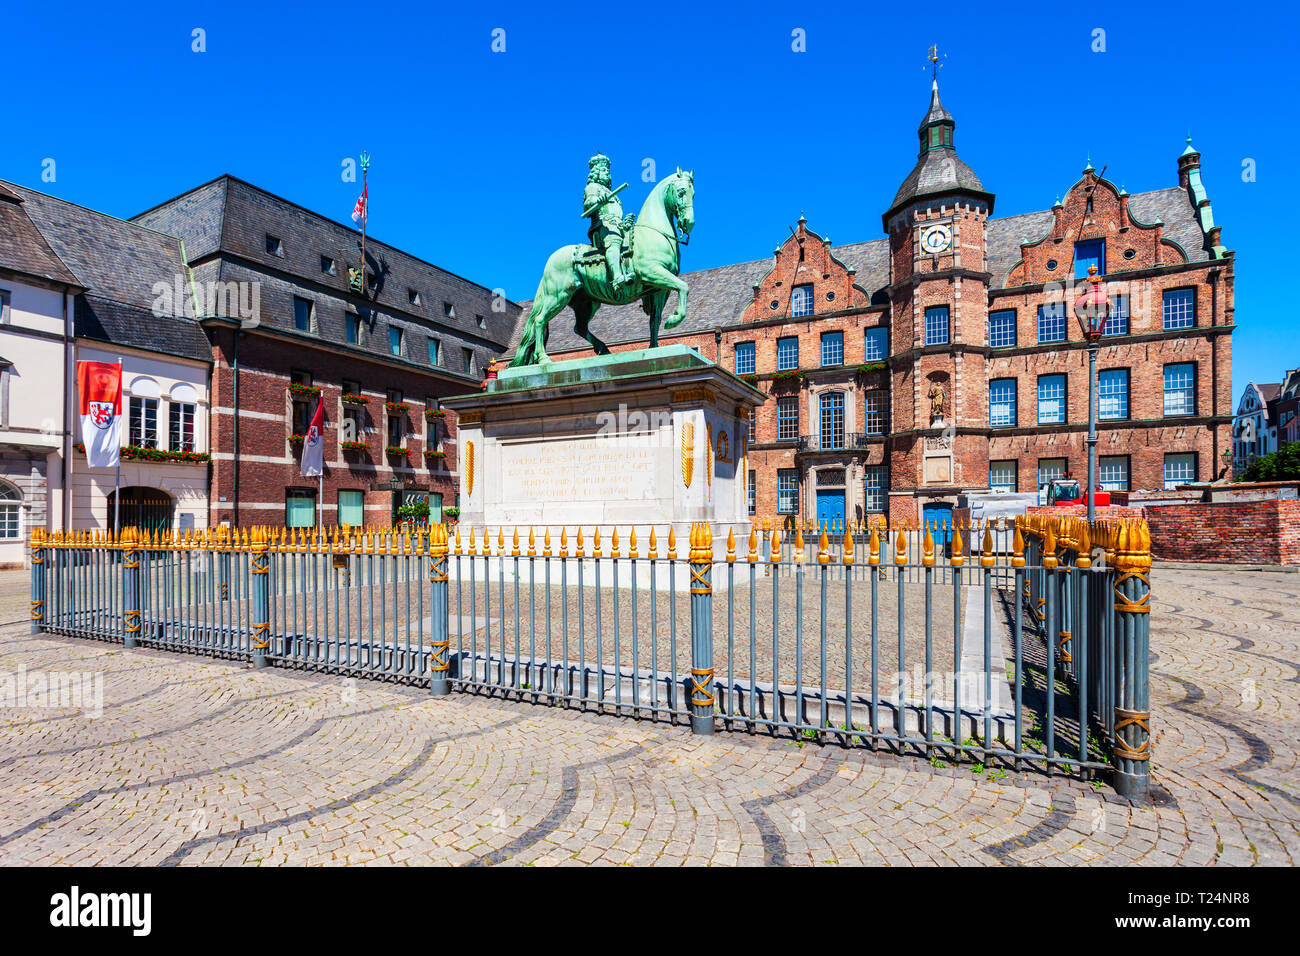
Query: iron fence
x=874 y=637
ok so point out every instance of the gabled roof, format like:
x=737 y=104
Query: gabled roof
x=119 y=264
x=22 y=247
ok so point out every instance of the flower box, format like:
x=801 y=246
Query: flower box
x=304 y=391
x=791 y=376
x=297 y=440
x=868 y=367
x=348 y=398
x=396 y=408
x=399 y=451
x=432 y=455
x=749 y=379
x=136 y=453
x=354 y=446
x=434 y=413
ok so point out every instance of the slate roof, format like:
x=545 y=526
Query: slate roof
x=230 y=219
x=1174 y=208
x=938 y=170
x=23 y=248
x=719 y=296
x=118 y=263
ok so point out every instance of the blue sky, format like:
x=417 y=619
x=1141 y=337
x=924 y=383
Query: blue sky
x=479 y=158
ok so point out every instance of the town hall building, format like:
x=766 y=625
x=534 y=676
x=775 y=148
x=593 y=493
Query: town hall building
x=905 y=372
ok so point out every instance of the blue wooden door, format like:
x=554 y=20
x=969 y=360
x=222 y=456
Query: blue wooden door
x=830 y=506
x=937 y=518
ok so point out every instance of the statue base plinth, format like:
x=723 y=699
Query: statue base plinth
x=634 y=440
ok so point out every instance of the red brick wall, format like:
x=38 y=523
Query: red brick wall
x=1251 y=532
x=269 y=464
x=1227 y=532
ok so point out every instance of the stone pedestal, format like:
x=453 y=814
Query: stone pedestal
x=632 y=440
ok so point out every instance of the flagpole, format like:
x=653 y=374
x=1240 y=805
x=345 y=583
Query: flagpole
x=117 y=476
x=365 y=213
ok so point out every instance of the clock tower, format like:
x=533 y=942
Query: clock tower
x=938 y=295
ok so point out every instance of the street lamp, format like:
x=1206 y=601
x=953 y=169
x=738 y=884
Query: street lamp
x=1091 y=308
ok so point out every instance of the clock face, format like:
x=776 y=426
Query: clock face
x=936 y=238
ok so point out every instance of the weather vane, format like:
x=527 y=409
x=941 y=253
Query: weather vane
x=933 y=57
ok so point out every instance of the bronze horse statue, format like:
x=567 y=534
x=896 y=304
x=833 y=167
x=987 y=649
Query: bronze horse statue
x=576 y=275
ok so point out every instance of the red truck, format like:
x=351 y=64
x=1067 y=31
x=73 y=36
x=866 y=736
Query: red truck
x=1067 y=491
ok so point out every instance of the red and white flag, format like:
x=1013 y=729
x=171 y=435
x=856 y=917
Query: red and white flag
x=362 y=209
x=100 y=386
x=313 y=446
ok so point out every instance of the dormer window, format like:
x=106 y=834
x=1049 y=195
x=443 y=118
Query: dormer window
x=801 y=300
x=1089 y=252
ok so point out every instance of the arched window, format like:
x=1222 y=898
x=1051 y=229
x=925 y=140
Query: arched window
x=11 y=512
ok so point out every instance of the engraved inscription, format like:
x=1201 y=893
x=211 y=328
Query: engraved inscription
x=583 y=469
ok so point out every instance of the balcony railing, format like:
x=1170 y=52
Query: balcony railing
x=849 y=441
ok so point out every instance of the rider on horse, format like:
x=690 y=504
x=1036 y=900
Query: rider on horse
x=606 y=212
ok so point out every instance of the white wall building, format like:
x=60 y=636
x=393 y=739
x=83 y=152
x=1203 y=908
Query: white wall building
x=165 y=409
x=37 y=293
x=1254 y=432
x=117 y=313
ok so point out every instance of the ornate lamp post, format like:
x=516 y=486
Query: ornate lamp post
x=1091 y=308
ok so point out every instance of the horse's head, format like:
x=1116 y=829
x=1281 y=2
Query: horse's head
x=683 y=199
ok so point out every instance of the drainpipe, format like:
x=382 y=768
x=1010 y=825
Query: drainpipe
x=234 y=523
x=68 y=369
x=1214 y=371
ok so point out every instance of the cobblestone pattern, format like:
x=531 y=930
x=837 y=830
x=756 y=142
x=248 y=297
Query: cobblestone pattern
x=197 y=761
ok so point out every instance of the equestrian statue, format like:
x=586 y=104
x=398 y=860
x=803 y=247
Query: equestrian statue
x=629 y=258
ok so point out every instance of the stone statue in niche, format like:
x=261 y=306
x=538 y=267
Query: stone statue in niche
x=938 y=396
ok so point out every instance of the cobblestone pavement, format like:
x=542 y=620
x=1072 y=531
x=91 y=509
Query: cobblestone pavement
x=204 y=761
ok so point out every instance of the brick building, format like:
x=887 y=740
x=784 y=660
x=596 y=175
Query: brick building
x=272 y=290
x=946 y=358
